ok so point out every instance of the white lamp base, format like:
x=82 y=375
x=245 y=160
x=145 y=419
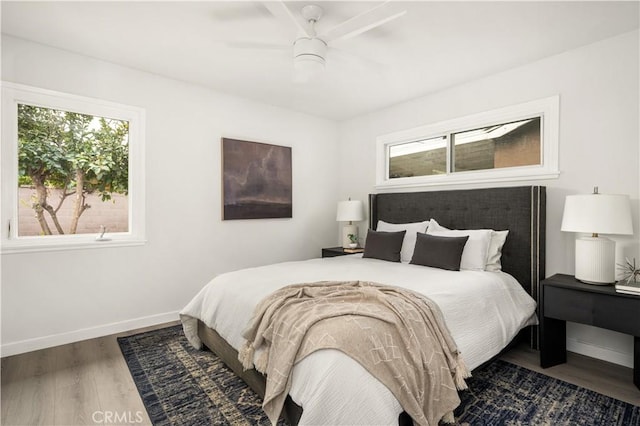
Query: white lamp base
x=346 y=230
x=595 y=260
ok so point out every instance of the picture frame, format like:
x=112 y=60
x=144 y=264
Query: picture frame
x=257 y=180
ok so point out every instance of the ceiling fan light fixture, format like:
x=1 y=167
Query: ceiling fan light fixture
x=307 y=68
x=306 y=46
x=308 y=58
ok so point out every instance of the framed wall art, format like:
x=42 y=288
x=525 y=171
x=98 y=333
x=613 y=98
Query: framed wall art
x=256 y=179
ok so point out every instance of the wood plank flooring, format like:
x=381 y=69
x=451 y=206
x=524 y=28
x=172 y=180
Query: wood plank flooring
x=81 y=383
x=603 y=377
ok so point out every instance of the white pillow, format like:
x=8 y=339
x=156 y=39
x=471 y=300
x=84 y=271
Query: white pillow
x=474 y=255
x=409 y=242
x=498 y=239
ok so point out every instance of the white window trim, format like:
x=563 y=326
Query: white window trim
x=548 y=109
x=12 y=94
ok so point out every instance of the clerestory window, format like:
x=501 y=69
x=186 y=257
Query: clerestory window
x=514 y=143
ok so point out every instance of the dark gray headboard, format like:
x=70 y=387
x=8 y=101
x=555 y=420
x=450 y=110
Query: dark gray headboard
x=521 y=210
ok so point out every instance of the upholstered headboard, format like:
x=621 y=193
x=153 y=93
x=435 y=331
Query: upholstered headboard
x=521 y=210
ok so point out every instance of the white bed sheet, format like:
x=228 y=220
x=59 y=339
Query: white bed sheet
x=483 y=311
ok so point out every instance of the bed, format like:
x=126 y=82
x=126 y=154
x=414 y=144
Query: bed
x=315 y=397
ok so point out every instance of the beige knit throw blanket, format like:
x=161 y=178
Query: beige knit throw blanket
x=398 y=335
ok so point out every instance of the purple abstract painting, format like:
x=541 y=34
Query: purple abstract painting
x=256 y=180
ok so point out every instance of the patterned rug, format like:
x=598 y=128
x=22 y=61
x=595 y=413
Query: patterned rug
x=183 y=386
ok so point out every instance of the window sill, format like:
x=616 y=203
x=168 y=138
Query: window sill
x=18 y=247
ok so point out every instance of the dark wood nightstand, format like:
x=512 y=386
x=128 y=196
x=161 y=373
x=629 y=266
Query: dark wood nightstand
x=333 y=252
x=566 y=299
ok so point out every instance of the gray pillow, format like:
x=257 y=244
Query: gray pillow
x=439 y=252
x=383 y=245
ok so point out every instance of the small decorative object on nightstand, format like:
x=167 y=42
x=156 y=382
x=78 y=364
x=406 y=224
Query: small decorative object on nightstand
x=628 y=287
x=630 y=272
x=630 y=283
x=566 y=299
x=596 y=214
x=354 y=250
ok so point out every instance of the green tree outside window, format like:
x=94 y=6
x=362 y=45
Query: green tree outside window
x=77 y=153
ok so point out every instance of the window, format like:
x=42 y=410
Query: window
x=72 y=171
x=418 y=158
x=494 y=147
x=515 y=143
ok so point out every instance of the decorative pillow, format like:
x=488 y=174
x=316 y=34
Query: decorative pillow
x=494 y=253
x=474 y=255
x=383 y=245
x=409 y=239
x=498 y=239
x=439 y=252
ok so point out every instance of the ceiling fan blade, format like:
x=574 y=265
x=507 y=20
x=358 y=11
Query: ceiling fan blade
x=256 y=45
x=365 y=21
x=359 y=60
x=281 y=12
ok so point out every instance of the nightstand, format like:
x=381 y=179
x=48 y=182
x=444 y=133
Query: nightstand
x=333 y=252
x=566 y=299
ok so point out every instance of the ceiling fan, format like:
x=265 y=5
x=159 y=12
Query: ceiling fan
x=310 y=48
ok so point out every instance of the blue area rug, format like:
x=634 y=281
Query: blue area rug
x=180 y=385
x=183 y=386
x=506 y=394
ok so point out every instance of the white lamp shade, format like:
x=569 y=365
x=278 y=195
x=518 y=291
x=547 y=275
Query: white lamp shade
x=597 y=214
x=350 y=211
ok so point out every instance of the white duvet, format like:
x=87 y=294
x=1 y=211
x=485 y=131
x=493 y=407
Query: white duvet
x=483 y=310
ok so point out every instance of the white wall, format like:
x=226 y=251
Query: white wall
x=56 y=297
x=599 y=139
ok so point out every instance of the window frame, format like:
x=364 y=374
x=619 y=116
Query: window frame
x=14 y=94
x=547 y=109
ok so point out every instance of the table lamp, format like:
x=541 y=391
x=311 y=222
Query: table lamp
x=349 y=211
x=596 y=214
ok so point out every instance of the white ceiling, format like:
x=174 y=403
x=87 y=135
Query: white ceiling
x=435 y=45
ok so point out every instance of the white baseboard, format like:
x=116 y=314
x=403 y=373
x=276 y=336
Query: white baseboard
x=34 y=344
x=600 y=352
